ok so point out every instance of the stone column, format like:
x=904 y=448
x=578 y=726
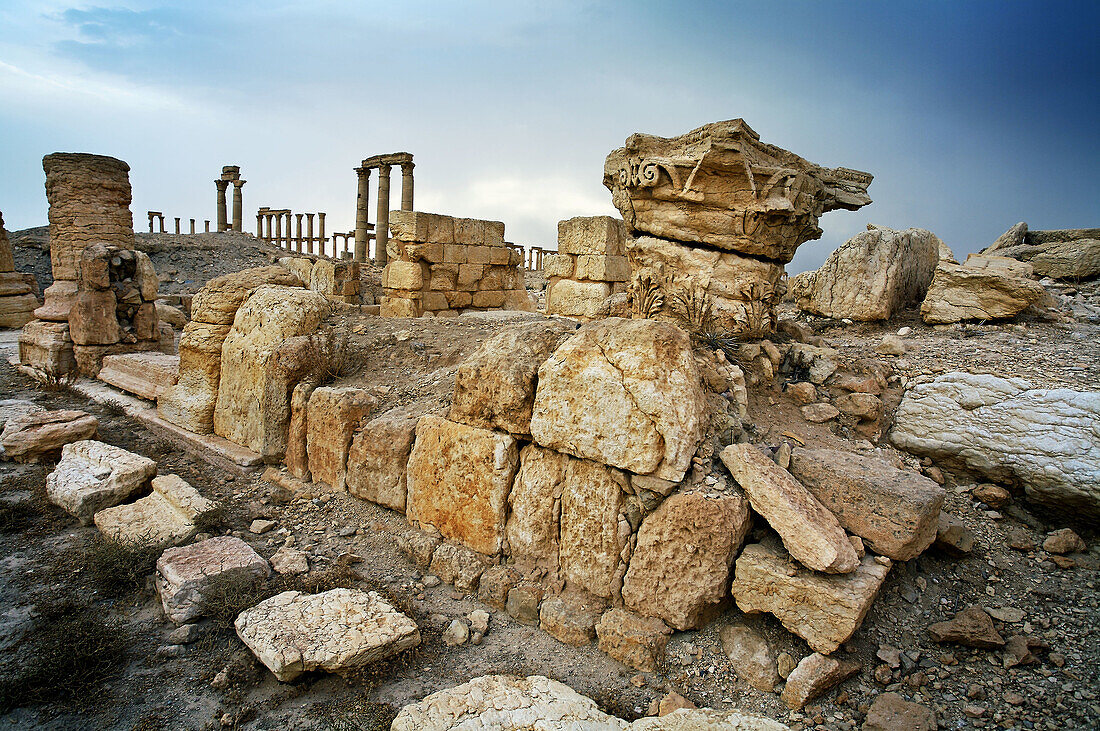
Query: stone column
x=407 y=186
x=238 y=205
x=279 y=229
x=309 y=232
x=207 y=222
x=382 y=221
x=160 y=219
x=298 y=233
x=289 y=223
x=259 y=225
x=361 y=218
x=321 y=232
x=222 y=185
x=192 y=225
x=177 y=224
x=150 y=222
x=270 y=218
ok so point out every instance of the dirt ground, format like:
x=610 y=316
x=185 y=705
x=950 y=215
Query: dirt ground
x=145 y=683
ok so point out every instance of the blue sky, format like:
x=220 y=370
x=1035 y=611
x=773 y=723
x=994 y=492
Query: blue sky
x=971 y=115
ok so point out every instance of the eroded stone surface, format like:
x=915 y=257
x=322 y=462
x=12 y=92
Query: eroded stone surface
x=220 y=298
x=1043 y=440
x=680 y=567
x=184 y=573
x=751 y=656
x=190 y=403
x=378 y=461
x=569 y=619
x=809 y=531
x=632 y=640
x=895 y=511
x=960 y=292
x=643 y=376
x=142 y=374
x=459 y=477
x=814 y=675
x=334 y=416
x=92 y=476
x=37 y=434
x=706 y=719
x=823 y=609
x=165 y=516
x=338 y=631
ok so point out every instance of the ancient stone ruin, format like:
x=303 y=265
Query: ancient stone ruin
x=17 y=300
x=715 y=215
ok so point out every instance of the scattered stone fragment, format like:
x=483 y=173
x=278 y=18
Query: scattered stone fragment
x=823 y=609
x=819 y=413
x=785 y=664
x=457 y=633
x=1018 y=651
x=685 y=548
x=458 y=565
x=338 y=631
x=994 y=496
x=495 y=583
x=290 y=561
x=184 y=573
x=1063 y=541
x=802 y=393
x=751 y=656
x=506 y=703
x=261 y=526
x=672 y=702
x=1021 y=540
x=971 y=627
x=864 y=406
x=166 y=516
x=185 y=634
x=891 y=345
x=569 y=619
x=952 y=536
x=36 y=435
x=814 y=675
x=809 y=531
x=523 y=603
x=479 y=621
x=418 y=545
x=894 y=511
x=92 y=476
x=891 y=712
x=638 y=642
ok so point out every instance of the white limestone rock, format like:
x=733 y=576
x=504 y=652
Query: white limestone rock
x=92 y=476
x=337 y=631
x=165 y=516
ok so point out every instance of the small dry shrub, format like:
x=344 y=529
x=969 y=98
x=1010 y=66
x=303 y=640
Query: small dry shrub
x=51 y=379
x=17 y=516
x=328 y=350
x=118 y=568
x=212 y=520
x=73 y=649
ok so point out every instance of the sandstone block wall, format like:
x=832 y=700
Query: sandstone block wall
x=444 y=266
x=17 y=300
x=590 y=266
x=336 y=280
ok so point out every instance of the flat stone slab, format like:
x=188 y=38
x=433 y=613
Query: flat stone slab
x=92 y=476
x=165 y=516
x=142 y=374
x=337 y=631
x=184 y=573
x=35 y=435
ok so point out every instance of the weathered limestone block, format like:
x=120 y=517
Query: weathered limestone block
x=92 y=476
x=751 y=655
x=418 y=545
x=592 y=236
x=681 y=565
x=190 y=403
x=495 y=583
x=478 y=232
x=1000 y=265
x=166 y=516
x=642 y=374
x=420 y=227
x=592 y=537
x=299 y=266
x=741 y=291
x=495 y=386
x=507 y=703
x=34 y=436
x=1043 y=440
x=217 y=302
x=334 y=279
x=970 y=293
x=11 y=282
x=333 y=417
x=558 y=265
x=632 y=640
x=143 y=374
x=809 y=531
x=393 y=306
x=706 y=719
x=458 y=565
x=17 y=310
x=405 y=275
x=576 y=299
x=253 y=407
x=1065 y=254
x=534 y=518
x=458 y=481
x=89 y=197
x=599 y=268
x=721 y=186
x=17 y=300
x=57 y=300
x=378 y=461
x=297 y=439
x=894 y=511
x=814 y=675
x=92 y=319
x=186 y=572
x=47 y=347
x=872 y=276
x=338 y=631
x=12 y=409
x=89 y=358
x=823 y=609
x=169 y=314
x=570 y=619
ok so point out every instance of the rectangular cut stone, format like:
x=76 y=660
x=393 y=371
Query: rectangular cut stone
x=142 y=374
x=469 y=275
x=600 y=268
x=165 y=516
x=17 y=310
x=399 y=307
x=823 y=609
x=592 y=538
x=379 y=457
x=444 y=277
x=339 y=631
x=478 y=255
x=500 y=255
x=809 y=531
x=895 y=511
x=576 y=299
x=431 y=253
x=190 y=403
x=433 y=301
x=46 y=346
x=458 y=481
x=476 y=232
x=417 y=226
x=454 y=253
x=534 y=521
x=486 y=300
x=458 y=300
x=599 y=235
x=92 y=476
x=186 y=572
x=558 y=265
x=333 y=417
x=405 y=275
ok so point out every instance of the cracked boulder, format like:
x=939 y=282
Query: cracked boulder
x=969 y=292
x=626 y=393
x=92 y=476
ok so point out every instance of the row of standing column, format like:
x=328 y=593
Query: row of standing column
x=274 y=230
x=159 y=217
x=534 y=257
x=382 y=223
